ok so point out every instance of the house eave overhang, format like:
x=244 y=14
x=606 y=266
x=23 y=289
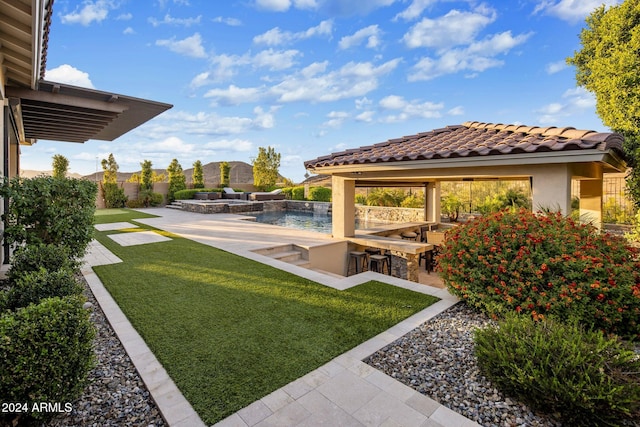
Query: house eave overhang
x=60 y=112
x=608 y=158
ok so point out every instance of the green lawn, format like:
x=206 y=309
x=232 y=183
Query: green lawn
x=229 y=330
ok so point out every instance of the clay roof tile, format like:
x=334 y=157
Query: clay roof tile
x=473 y=139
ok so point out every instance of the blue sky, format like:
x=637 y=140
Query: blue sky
x=311 y=77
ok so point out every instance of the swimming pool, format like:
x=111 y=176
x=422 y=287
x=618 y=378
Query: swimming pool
x=304 y=220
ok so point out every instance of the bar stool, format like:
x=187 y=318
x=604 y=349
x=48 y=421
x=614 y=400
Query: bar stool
x=377 y=263
x=359 y=259
x=427 y=256
x=373 y=251
x=409 y=235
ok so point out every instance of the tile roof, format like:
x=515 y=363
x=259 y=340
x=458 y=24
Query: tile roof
x=474 y=139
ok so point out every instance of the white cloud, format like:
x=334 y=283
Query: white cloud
x=414 y=10
x=453 y=29
x=232 y=22
x=363 y=103
x=336 y=118
x=274 y=5
x=351 y=7
x=312 y=83
x=235 y=95
x=276 y=60
x=456 y=111
x=365 y=116
x=476 y=57
x=169 y=20
x=371 y=34
x=392 y=102
x=572 y=11
x=125 y=17
x=65 y=73
x=205 y=124
x=556 y=67
x=225 y=67
x=190 y=46
x=90 y=11
x=275 y=36
x=305 y=4
x=128 y=30
x=236 y=145
x=574 y=101
x=409 y=109
x=352 y=80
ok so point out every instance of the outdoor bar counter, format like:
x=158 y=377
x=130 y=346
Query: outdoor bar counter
x=405 y=254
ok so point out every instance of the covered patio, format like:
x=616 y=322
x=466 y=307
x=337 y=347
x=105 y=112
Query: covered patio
x=548 y=158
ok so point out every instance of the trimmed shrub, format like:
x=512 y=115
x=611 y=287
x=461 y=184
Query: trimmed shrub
x=134 y=204
x=34 y=286
x=49 y=210
x=190 y=193
x=149 y=198
x=297 y=193
x=320 y=194
x=544 y=264
x=45 y=352
x=32 y=258
x=114 y=196
x=559 y=368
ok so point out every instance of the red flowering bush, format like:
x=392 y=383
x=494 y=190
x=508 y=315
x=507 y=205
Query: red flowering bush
x=542 y=265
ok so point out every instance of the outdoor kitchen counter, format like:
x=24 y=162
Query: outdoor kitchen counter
x=405 y=254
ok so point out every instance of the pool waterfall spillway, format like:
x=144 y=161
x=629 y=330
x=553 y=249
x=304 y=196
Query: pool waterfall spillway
x=321 y=208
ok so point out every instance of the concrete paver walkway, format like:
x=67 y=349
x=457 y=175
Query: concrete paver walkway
x=343 y=392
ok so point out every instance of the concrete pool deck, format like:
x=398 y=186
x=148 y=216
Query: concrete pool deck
x=344 y=392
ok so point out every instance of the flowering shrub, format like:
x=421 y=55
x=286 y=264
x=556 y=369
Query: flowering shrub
x=544 y=264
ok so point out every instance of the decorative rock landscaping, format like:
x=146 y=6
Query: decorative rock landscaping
x=115 y=395
x=437 y=360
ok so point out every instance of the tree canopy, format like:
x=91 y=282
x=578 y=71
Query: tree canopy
x=60 y=166
x=607 y=65
x=198 y=175
x=177 y=180
x=110 y=168
x=265 y=168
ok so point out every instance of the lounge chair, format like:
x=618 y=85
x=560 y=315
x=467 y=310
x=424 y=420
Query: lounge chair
x=267 y=195
x=230 y=193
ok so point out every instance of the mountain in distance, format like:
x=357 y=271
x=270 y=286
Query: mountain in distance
x=26 y=173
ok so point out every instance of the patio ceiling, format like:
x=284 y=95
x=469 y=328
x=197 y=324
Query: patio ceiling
x=60 y=112
x=24 y=32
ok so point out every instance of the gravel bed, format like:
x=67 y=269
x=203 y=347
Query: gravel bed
x=115 y=394
x=437 y=360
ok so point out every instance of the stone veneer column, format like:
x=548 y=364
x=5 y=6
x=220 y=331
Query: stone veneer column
x=404 y=266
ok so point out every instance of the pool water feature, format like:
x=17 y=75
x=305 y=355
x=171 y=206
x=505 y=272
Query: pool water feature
x=311 y=221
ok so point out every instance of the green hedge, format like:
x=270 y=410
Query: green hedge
x=34 y=286
x=585 y=377
x=320 y=194
x=45 y=353
x=190 y=193
x=50 y=210
x=34 y=257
